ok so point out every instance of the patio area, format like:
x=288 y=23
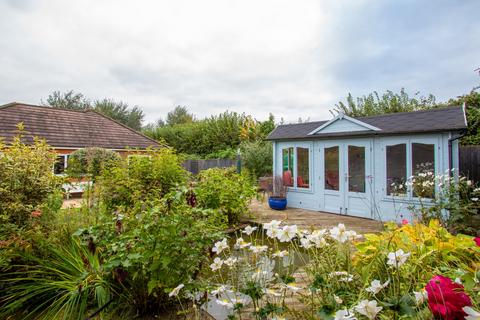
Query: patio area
x=261 y=213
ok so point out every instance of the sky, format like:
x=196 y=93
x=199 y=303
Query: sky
x=295 y=59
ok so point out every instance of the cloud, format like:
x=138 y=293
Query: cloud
x=291 y=58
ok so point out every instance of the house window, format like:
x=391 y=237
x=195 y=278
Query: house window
x=287 y=166
x=60 y=164
x=332 y=168
x=423 y=169
x=356 y=169
x=396 y=169
x=303 y=168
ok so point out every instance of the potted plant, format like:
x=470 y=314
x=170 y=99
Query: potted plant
x=278 y=197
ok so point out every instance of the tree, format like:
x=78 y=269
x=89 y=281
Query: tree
x=472 y=104
x=179 y=115
x=388 y=102
x=120 y=112
x=67 y=100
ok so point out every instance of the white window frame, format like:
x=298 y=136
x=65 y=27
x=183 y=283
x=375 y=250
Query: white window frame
x=308 y=146
x=65 y=164
x=409 y=142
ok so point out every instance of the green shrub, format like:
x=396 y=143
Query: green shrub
x=26 y=179
x=228 y=153
x=140 y=178
x=150 y=251
x=90 y=162
x=257 y=157
x=65 y=284
x=452 y=201
x=225 y=190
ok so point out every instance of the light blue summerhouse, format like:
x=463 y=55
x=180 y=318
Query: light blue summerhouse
x=362 y=166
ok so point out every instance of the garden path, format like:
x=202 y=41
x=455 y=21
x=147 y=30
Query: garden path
x=261 y=213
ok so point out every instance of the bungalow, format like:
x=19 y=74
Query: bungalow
x=361 y=166
x=69 y=130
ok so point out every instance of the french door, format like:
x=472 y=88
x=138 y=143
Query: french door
x=347 y=177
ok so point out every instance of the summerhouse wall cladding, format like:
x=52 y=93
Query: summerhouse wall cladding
x=361 y=166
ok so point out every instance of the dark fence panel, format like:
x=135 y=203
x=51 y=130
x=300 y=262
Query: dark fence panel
x=195 y=166
x=470 y=162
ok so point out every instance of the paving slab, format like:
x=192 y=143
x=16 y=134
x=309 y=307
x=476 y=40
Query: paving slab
x=262 y=213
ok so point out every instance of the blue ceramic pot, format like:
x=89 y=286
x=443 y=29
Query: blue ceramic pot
x=277 y=203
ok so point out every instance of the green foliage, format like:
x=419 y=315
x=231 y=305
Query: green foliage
x=225 y=190
x=388 y=102
x=66 y=284
x=433 y=250
x=67 y=100
x=151 y=250
x=90 y=162
x=139 y=178
x=179 y=115
x=472 y=102
x=257 y=157
x=121 y=112
x=213 y=135
x=228 y=153
x=117 y=110
x=26 y=178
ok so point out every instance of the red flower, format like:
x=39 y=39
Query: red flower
x=446 y=298
x=477 y=241
x=405 y=221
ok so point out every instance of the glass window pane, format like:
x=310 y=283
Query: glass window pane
x=356 y=169
x=396 y=168
x=331 y=168
x=303 y=168
x=423 y=169
x=287 y=166
x=59 y=166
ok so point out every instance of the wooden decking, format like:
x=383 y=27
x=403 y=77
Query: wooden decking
x=261 y=213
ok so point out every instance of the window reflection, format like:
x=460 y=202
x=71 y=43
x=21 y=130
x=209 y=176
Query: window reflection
x=356 y=169
x=423 y=169
x=396 y=169
x=287 y=166
x=303 y=168
x=331 y=168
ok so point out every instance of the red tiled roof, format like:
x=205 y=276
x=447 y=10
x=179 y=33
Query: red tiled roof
x=69 y=128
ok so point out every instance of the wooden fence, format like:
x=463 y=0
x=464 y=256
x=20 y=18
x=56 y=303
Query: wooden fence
x=470 y=162
x=195 y=166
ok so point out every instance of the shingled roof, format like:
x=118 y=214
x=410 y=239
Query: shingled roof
x=433 y=120
x=70 y=128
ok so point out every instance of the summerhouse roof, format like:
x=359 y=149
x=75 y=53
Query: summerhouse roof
x=425 y=121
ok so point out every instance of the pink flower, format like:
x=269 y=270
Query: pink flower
x=405 y=221
x=477 y=241
x=446 y=298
